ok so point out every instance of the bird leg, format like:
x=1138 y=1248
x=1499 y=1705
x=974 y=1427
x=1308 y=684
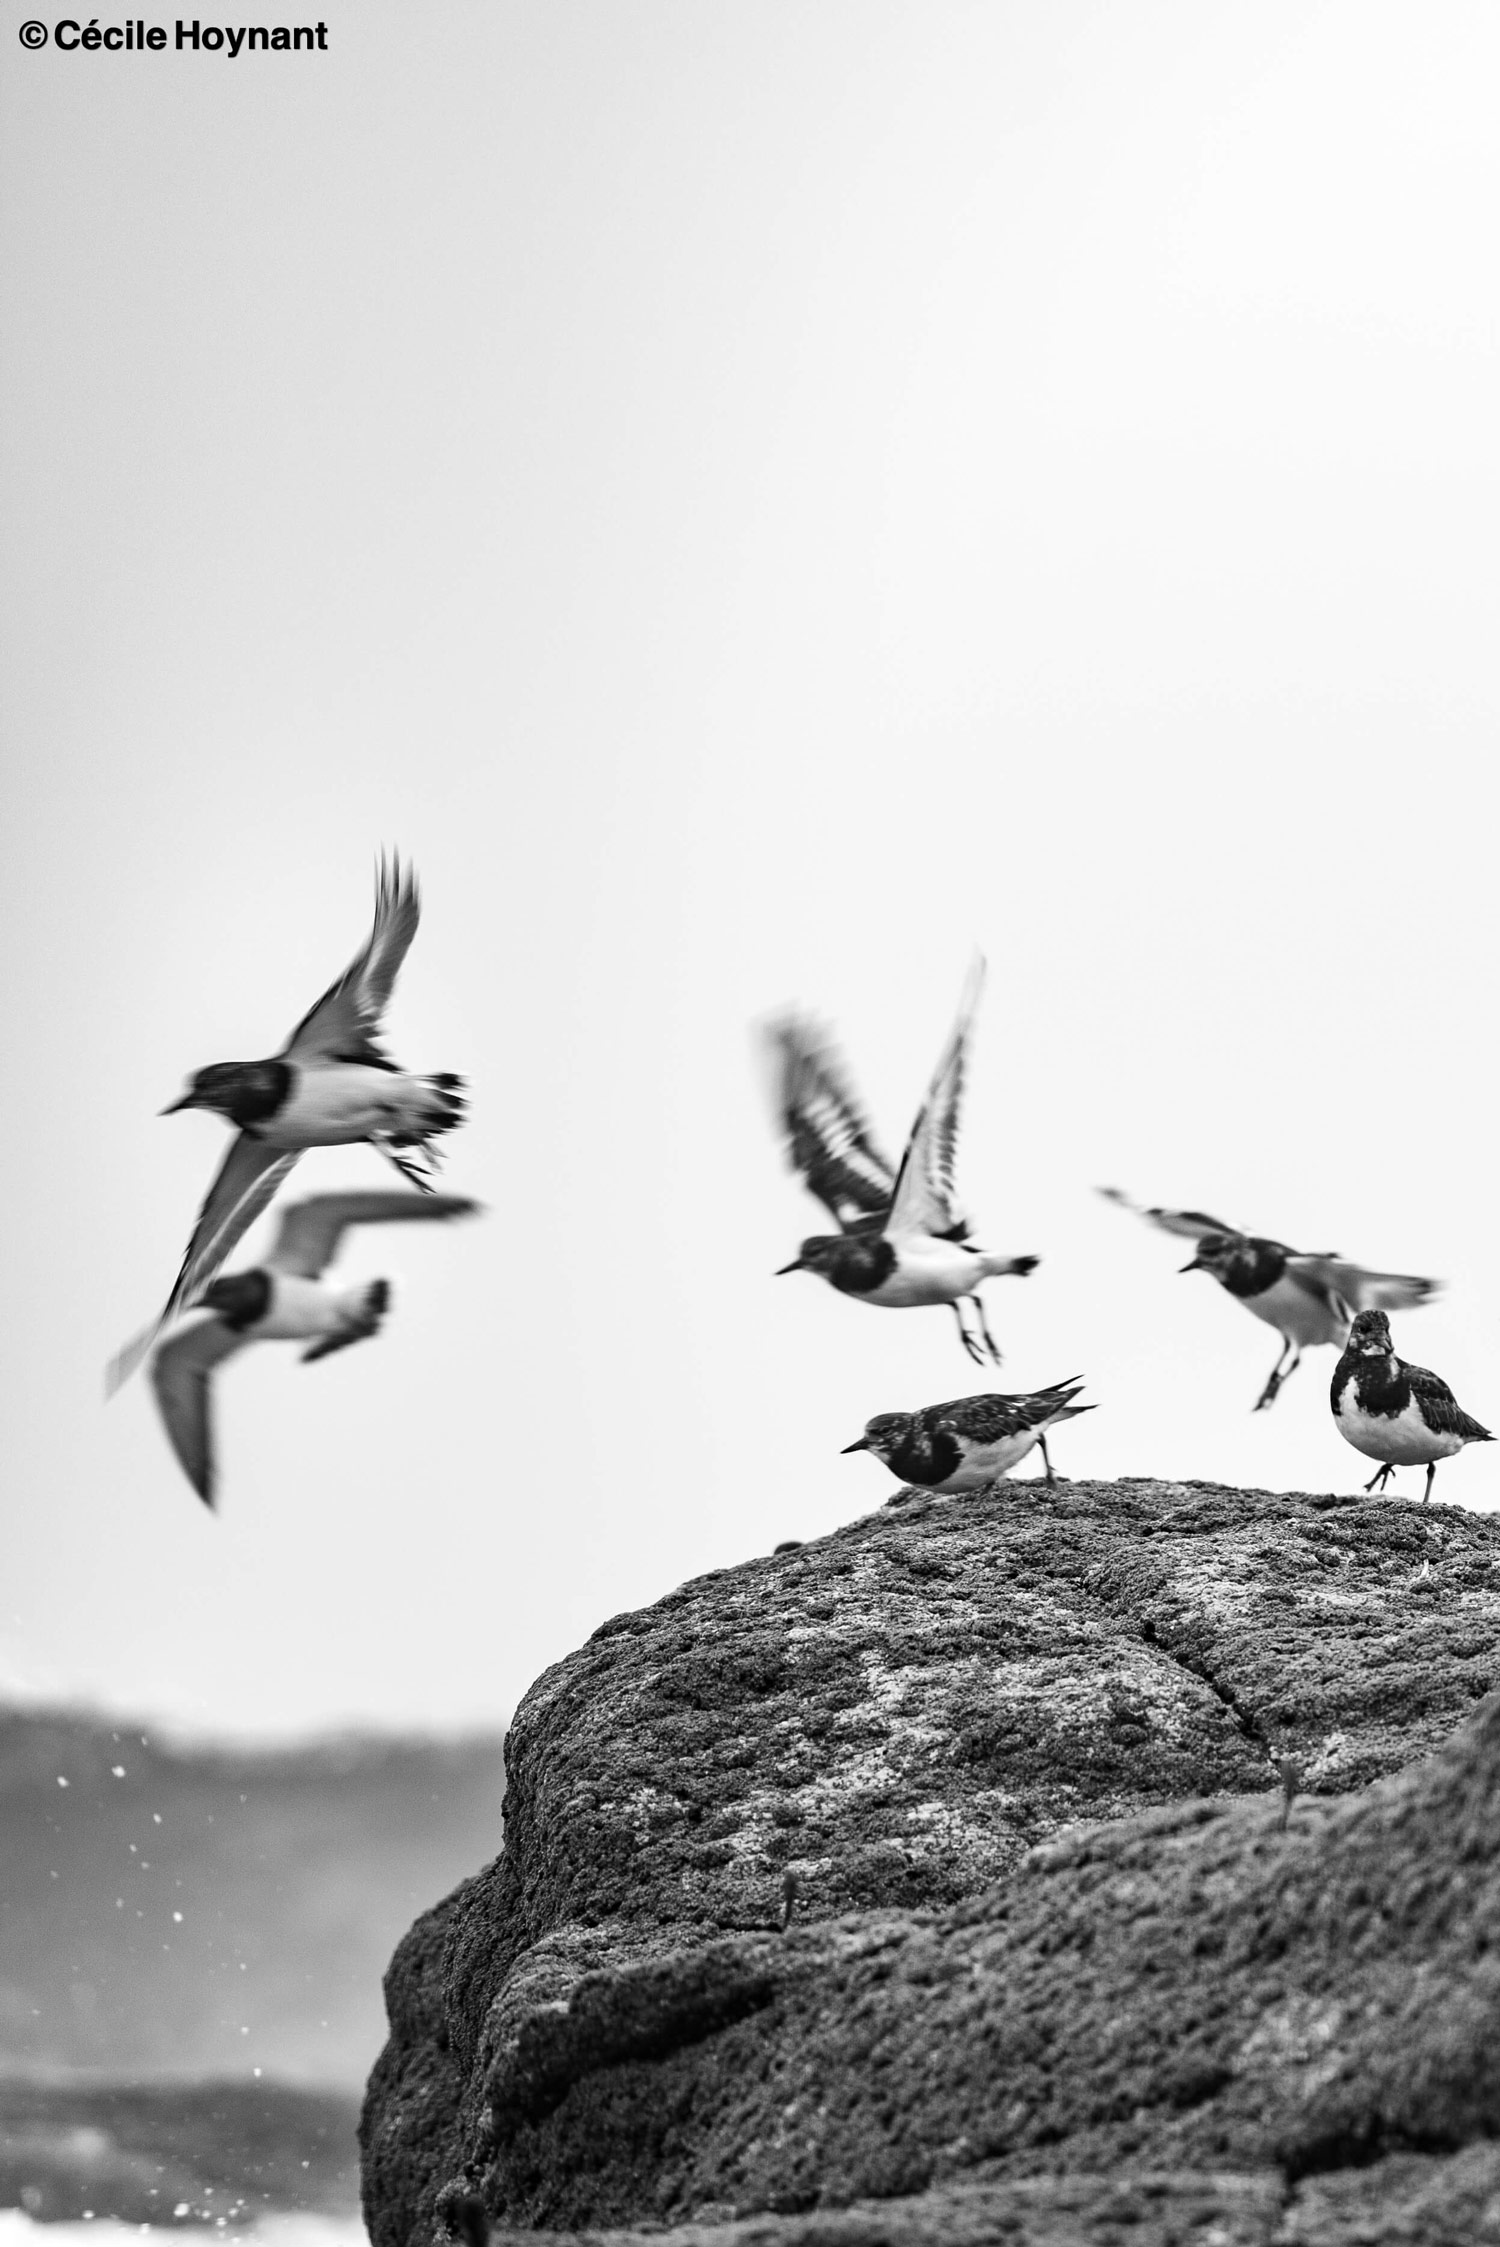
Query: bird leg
x=1046 y=1462
x=989 y=1339
x=1379 y=1481
x=966 y=1337
x=1280 y=1372
x=408 y=1170
x=1431 y=1471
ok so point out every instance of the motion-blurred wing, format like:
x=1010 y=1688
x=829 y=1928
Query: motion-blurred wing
x=343 y=1026
x=828 y=1141
x=181 y=1376
x=311 y=1230
x=1359 y=1290
x=248 y=1178
x=1190 y=1224
x=924 y=1200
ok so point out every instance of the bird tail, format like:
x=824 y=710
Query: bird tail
x=435 y=1105
x=1003 y=1267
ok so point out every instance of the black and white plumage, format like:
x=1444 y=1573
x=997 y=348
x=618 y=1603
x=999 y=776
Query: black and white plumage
x=286 y=1299
x=1309 y=1299
x=1397 y=1413
x=331 y=1085
x=971 y=1442
x=903 y=1240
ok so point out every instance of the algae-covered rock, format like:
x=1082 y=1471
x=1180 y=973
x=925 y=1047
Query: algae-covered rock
x=607 y=2026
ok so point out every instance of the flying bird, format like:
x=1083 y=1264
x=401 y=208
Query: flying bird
x=903 y=1239
x=331 y=1085
x=971 y=1442
x=1398 y=1413
x=1309 y=1300
x=286 y=1299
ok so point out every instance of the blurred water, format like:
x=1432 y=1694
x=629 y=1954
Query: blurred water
x=17 y=2229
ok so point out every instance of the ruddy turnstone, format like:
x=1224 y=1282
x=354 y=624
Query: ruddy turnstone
x=1398 y=1413
x=286 y=1299
x=972 y=1441
x=1310 y=1300
x=902 y=1239
x=331 y=1085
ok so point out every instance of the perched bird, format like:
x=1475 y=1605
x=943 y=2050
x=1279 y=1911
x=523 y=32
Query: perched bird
x=331 y=1085
x=286 y=1299
x=1398 y=1413
x=973 y=1440
x=902 y=1238
x=1309 y=1300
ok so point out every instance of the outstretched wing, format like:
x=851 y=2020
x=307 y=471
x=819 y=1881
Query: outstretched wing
x=311 y=1230
x=1189 y=1224
x=248 y=1178
x=1359 y=1290
x=924 y=1200
x=343 y=1026
x=181 y=1376
x=828 y=1141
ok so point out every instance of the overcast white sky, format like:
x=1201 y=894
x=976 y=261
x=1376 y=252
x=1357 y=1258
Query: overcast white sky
x=754 y=499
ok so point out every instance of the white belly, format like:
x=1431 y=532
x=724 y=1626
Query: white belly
x=928 y=1271
x=1292 y=1311
x=1405 y=1441
x=987 y=1462
x=301 y=1310
x=338 y=1106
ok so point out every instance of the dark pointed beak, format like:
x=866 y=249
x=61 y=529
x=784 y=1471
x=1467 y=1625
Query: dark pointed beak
x=1195 y=1266
x=862 y=1445
x=782 y=1269
x=188 y=1100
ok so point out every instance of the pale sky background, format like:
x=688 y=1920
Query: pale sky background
x=754 y=498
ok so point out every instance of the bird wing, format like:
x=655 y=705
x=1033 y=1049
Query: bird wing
x=247 y=1180
x=828 y=1141
x=311 y=1230
x=987 y=1418
x=1188 y=1224
x=1440 y=1408
x=343 y=1026
x=180 y=1375
x=1361 y=1290
x=924 y=1200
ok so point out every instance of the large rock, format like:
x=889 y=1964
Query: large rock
x=991 y=2032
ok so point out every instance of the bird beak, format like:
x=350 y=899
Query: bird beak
x=862 y=1445
x=188 y=1100
x=782 y=1269
x=1195 y=1266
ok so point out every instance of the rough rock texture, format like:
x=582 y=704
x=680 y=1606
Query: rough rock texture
x=1182 y=2023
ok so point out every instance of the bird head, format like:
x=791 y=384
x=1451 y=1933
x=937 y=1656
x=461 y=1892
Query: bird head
x=816 y=1254
x=240 y=1298
x=1370 y=1336
x=244 y=1091
x=884 y=1435
x=213 y=1087
x=1214 y=1253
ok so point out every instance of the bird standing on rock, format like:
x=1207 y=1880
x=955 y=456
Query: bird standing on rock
x=1310 y=1300
x=286 y=1299
x=331 y=1085
x=903 y=1240
x=971 y=1442
x=1398 y=1413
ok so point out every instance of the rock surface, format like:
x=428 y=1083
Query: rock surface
x=1179 y=2023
